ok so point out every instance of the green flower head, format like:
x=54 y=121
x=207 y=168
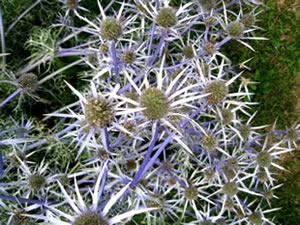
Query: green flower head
x=111 y=29
x=166 y=17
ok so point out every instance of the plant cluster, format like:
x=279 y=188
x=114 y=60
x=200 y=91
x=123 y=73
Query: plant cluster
x=162 y=128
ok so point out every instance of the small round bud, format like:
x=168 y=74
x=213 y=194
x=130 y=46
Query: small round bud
x=248 y=20
x=262 y=176
x=206 y=222
x=172 y=181
x=268 y=194
x=98 y=112
x=230 y=189
x=167 y=166
x=128 y=57
x=28 y=82
x=209 y=142
x=209 y=48
x=210 y=20
x=71 y=4
x=229 y=173
x=227 y=116
x=293 y=135
x=102 y=154
x=64 y=180
x=37 y=181
x=103 y=48
x=191 y=193
x=89 y=218
x=188 y=52
x=229 y=204
x=235 y=29
x=155 y=102
x=19 y=219
x=256 y=218
x=166 y=17
x=232 y=163
x=111 y=29
x=245 y=131
x=220 y=222
x=209 y=174
x=264 y=159
x=130 y=164
x=206 y=5
x=218 y=91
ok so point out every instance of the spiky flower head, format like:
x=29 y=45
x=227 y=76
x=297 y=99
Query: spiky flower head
x=227 y=116
x=209 y=48
x=188 y=52
x=293 y=135
x=19 y=219
x=245 y=131
x=64 y=180
x=72 y=4
x=209 y=174
x=235 y=29
x=155 y=102
x=191 y=193
x=111 y=29
x=129 y=56
x=89 y=218
x=248 y=20
x=262 y=176
x=166 y=17
x=206 y=222
x=218 y=91
x=28 y=82
x=232 y=163
x=103 y=48
x=230 y=189
x=210 y=20
x=209 y=142
x=98 y=112
x=172 y=181
x=131 y=164
x=102 y=154
x=268 y=194
x=37 y=181
x=220 y=222
x=207 y=5
x=229 y=204
x=229 y=173
x=256 y=218
x=264 y=159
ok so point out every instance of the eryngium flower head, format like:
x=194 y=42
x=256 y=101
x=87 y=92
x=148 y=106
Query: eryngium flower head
x=232 y=163
x=262 y=176
x=155 y=102
x=36 y=181
x=28 y=82
x=111 y=29
x=128 y=56
x=19 y=219
x=209 y=48
x=235 y=29
x=72 y=4
x=210 y=20
x=264 y=159
x=188 y=51
x=248 y=20
x=293 y=135
x=191 y=193
x=131 y=164
x=227 y=116
x=98 y=112
x=206 y=222
x=90 y=218
x=166 y=17
x=207 y=5
x=218 y=90
x=256 y=218
x=102 y=154
x=230 y=189
x=245 y=131
x=209 y=142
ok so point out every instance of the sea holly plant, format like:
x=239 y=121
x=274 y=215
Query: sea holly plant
x=159 y=122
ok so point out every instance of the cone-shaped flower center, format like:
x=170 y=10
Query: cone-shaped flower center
x=264 y=159
x=218 y=91
x=98 y=112
x=111 y=29
x=28 y=82
x=72 y=4
x=191 y=193
x=230 y=189
x=235 y=29
x=166 y=17
x=37 y=181
x=155 y=102
x=90 y=218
